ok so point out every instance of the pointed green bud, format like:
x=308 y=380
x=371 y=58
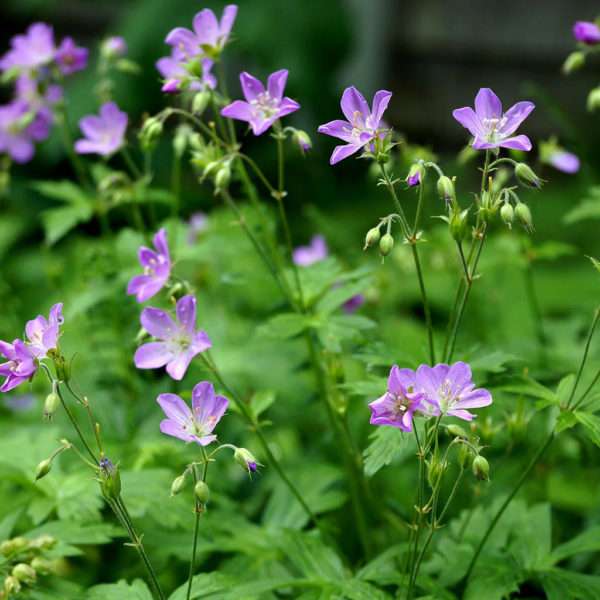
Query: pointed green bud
x=435 y=468
x=200 y=102
x=181 y=139
x=43 y=469
x=223 y=177
x=51 y=405
x=202 y=492
x=302 y=139
x=464 y=454
x=458 y=224
x=525 y=174
x=593 y=99
x=507 y=213
x=210 y=168
x=386 y=243
x=373 y=236
x=178 y=484
x=481 y=468
x=573 y=62
x=62 y=368
x=24 y=573
x=523 y=213
x=457 y=431
x=110 y=480
x=246 y=459
x=445 y=188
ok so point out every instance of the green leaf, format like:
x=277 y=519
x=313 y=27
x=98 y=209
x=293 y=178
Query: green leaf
x=552 y=250
x=493 y=580
x=591 y=425
x=587 y=541
x=385 y=569
x=565 y=420
x=138 y=590
x=387 y=443
x=337 y=296
x=564 y=388
x=284 y=326
x=566 y=585
x=203 y=585
x=261 y=401
x=585 y=211
x=531 y=387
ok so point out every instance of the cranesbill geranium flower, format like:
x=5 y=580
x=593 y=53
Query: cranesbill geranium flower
x=554 y=155
x=209 y=35
x=178 y=341
x=70 y=57
x=317 y=250
x=21 y=364
x=492 y=128
x=586 y=32
x=178 y=76
x=157 y=269
x=362 y=126
x=197 y=424
x=33 y=49
x=43 y=333
x=262 y=106
x=450 y=389
x=19 y=129
x=104 y=134
x=399 y=403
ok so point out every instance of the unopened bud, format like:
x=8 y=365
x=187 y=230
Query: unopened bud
x=42 y=565
x=180 y=140
x=593 y=100
x=62 y=368
x=178 y=484
x=43 y=469
x=210 y=168
x=526 y=176
x=445 y=188
x=113 y=47
x=14 y=546
x=246 y=459
x=202 y=492
x=373 y=236
x=200 y=102
x=12 y=585
x=386 y=243
x=573 y=62
x=223 y=177
x=481 y=468
x=457 y=431
x=435 y=468
x=110 y=480
x=303 y=140
x=24 y=573
x=43 y=542
x=51 y=405
x=458 y=224
x=523 y=213
x=507 y=213
x=151 y=130
x=415 y=175
x=464 y=454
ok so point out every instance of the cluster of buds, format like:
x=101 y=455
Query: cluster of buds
x=213 y=164
x=150 y=132
x=470 y=452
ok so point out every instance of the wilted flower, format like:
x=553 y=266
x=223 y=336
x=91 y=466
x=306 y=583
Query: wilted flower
x=104 y=134
x=399 y=403
x=490 y=127
x=315 y=251
x=157 y=269
x=70 y=57
x=362 y=125
x=179 y=75
x=262 y=106
x=450 y=389
x=178 y=342
x=21 y=364
x=19 y=129
x=43 y=333
x=209 y=35
x=586 y=32
x=197 y=424
x=35 y=48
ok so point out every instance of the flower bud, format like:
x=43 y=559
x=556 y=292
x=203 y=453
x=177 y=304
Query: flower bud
x=457 y=431
x=223 y=177
x=523 y=213
x=415 y=175
x=593 y=99
x=373 y=236
x=12 y=585
x=210 y=168
x=113 y=47
x=386 y=243
x=43 y=542
x=481 y=468
x=43 y=469
x=110 y=480
x=458 y=224
x=303 y=140
x=507 y=213
x=178 y=484
x=202 y=492
x=24 y=573
x=51 y=404
x=63 y=371
x=200 y=102
x=246 y=459
x=151 y=130
x=445 y=188
x=180 y=139
x=435 y=468
x=14 y=546
x=524 y=173
x=573 y=62
x=464 y=454
x=42 y=565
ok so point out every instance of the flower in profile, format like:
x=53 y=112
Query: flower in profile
x=113 y=47
x=554 y=155
x=362 y=124
x=195 y=425
x=20 y=366
x=353 y=304
x=70 y=57
x=209 y=35
x=317 y=250
x=450 y=389
x=246 y=460
x=43 y=333
x=586 y=32
x=19 y=129
x=31 y=50
x=180 y=75
x=196 y=225
x=490 y=126
x=399 y=403
x=104 y=133
x=177 y=341
x=157 y=269
x=262 y=106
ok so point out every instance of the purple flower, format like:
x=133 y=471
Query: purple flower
x=35 y=48
x=19 y=129
x=414 y=179
x=157 y=269
x=490 y=127
x=178 y=76
x=262 y=107
x=38 y=98
x=70 y=57
x=197 y=424
x=196 y=225
x=178 y=341
x=362 y=125
x=451 y=390
x=353 y=304
x=21 y=364
x=398 y=405
x=104 y=134
x=564 y=161
x=586 y=32
x=114 y=46
x=307 y=255
x=43 y=333
x=209 y=35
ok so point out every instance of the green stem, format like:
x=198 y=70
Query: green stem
x=506 y=503
x=76 y=161
x=534 y=305
x=426 y=309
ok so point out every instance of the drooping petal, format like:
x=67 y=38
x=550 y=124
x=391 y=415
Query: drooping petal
x=337 y=128
x=380 y=103
x=152 y=355
x=518 y=142
x=352 y=102
x=469 y=120
x=251 y=86
x=205 y=440
x=461 y=414
x=276 y=83
x=475 y=399
x=341 y=152
x=287 y=106
x=186 y=313
x=179 y=364
x=158 y=323
x=515 y=115
x=175 y=408
x=487 y=104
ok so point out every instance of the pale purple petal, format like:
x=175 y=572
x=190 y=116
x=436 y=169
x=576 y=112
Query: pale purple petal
x=251 y=87
x=174 y=429
x=469 y=120
x=179 y=364
x=519 y=142
x=461 y=414
x=564 y=161
x=160 y=242
x=201 y=342
x=186 y=312
x=175 y=408
x=487 y=104
x=514 y=116
x=276 y=83
x=380 y=103
x=238 y=109
x=158 y=323
x=206 y=27
x=227 y=19
x=152 y=355
x=586 y=32
x=341 y=152
x=205 y=440
x=354 y=102
x=287 y=106
x=337 y=128
x=475 y=399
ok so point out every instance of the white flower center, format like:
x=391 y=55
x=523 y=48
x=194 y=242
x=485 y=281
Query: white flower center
x=265 y=106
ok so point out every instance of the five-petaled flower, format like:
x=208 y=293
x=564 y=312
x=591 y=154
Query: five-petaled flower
x=21 y=364
x=315 y=251
x=177 y=341
x=104 y=134
x=451 y=390
x=33 y=49
x=586 y=32
x=197 y=424
x=262 y=106
x=492 y=128
x=20 y=128
x=179 y=75
x=70 y=57
x=157 y=269
x=43 y=333
x=362 y=125
x=399 y=403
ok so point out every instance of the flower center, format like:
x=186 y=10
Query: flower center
x=493 y=127
x=401 y=404
x=266 y=105
x=446 y=395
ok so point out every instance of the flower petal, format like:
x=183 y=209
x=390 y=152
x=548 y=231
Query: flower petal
x=175 y=408
x=287 y=106
x=518 y=142
x=380 y=103
x=174 y=429
x=337 y=128
x=160 y=242
x=276 y=83
x=158 y=323
x=152 y=356
x=206 y=27
x=353 y=101
x=341 y=152
x=186 y=313
x=229 y=14
x=469 y=120
x=515 y=115
x=488 y=105
x=240 y=110
x=251 y=86
x=178 y=366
